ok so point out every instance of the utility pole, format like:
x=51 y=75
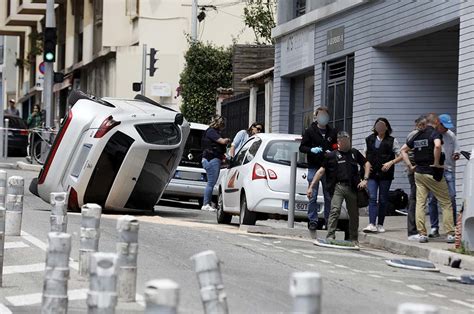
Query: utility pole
x=194 y=20
x=49 y=69
x=144 y=70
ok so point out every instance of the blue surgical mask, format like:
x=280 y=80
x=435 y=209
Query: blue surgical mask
x=322 y=119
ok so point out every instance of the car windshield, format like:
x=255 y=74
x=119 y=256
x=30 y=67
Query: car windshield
x=192 y=153
x=279 y=151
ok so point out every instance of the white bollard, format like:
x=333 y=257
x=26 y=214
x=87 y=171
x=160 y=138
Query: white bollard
x=2 y=242
x=207 y=267
x=306 y=290
x=417 y=308
x=90 y=234
x=58 y=216
x=55 y=298
x=14 y=205
x=102 y=295
x=3 y=187
x=161 y=296
x=127 y=251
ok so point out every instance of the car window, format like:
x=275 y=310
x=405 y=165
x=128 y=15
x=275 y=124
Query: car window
x=192 y=153
x=239 y=158
x=279 y=152
x=252 y=151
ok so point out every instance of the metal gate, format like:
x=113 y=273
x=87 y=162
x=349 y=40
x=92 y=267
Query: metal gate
x=236 y=112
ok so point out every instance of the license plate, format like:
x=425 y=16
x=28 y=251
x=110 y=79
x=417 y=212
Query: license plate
x=298 y=206
x=184 y=175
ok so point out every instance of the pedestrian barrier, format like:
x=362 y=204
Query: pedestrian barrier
x=90 y=234
x=102 y=295
x=58 y=216
x=14 y=206
x=207 y=268
x=417 y=308
x=306 y=290
x=127 y=251
x=161 y=296
x=55 y=298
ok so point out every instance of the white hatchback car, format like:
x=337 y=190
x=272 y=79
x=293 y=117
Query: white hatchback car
x=117 y=153
x=257 y=183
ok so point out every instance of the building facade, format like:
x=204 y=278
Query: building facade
x=370 y=59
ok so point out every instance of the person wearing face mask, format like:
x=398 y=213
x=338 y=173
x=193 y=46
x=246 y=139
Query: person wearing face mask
x=342 y=168
x=317 y=140
x=383 y=152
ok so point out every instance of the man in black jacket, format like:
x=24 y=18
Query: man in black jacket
x=318 y=140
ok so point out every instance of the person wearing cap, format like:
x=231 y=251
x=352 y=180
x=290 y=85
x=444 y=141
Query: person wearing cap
x=429 y=176
x=342 y=178
x=12 y=109
x=452 y=152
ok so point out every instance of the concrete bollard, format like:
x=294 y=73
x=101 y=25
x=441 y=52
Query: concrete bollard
x=161 y=296
x=55 y=298
x=306 y=290
x=127 y=251
x=14 y=205
x=3 y=187
x=207 y=267
x=102 y=295
x=417 y=308
x=90 y=234
x=2 y=242
x=58 y=216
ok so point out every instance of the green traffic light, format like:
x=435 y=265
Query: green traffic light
x=49 y=56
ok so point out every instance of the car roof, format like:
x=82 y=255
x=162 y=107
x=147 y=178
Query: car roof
x=277 y=136
x=198 y=126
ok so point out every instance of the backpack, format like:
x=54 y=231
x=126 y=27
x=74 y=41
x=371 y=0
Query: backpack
x=397 y=199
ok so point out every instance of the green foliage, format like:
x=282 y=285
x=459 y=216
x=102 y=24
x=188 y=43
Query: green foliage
x=207 y=68
x=259 y=15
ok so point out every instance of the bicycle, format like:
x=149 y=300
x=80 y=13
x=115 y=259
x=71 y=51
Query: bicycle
x=39 y=144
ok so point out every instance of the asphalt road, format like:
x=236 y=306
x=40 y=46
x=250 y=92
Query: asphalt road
x=256 y=269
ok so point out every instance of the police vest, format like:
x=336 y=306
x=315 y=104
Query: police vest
x=378 y=156
x=423 y=146
x=342 y=168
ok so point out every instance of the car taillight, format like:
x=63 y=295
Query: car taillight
x=272 y=174
x=23 y=132
x=73 y=202
x=107 y=125
x=54 y=149
x=258 y=172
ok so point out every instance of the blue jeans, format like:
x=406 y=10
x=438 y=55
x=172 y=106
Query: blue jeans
x=433 y=202
x=377 y=209
x=212 y=168
x=313 y=202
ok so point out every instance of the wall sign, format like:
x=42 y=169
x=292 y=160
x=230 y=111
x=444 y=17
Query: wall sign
x=297 y=51
x=335 y=40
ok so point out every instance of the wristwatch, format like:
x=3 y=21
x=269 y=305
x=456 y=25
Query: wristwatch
x=366 y=179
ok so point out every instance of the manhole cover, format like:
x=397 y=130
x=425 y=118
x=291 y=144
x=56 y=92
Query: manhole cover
x=412 y=264
x=336 y=244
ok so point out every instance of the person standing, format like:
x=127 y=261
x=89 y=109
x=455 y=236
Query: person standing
x=427 y=149
x=383 y=152
x=12 y=108
x=341 y=168
x=214 y=148
x=35 y=119
x=317 y=140
x=452 y=152
x=243 y=135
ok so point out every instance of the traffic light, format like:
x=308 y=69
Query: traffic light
x=49 y=47
x=153 y=60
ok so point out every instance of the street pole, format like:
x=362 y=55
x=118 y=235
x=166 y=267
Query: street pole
x=291 y=201
x=144 y=70
x=90 y=234
x=161 y=296
x=306 y=290
x=58 y=216
x=14 y=205
x=49 y=70
x=127 y=252
x=102 y=295
x=194 y=13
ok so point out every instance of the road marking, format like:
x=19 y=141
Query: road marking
x=36 y=298
x=375 y=276
x=442 y=296
x=309 y=256
x=279 y=247
x=33 y=240
x=341 y=266
x=294 y=252
x=415 y=287
x=276 y=242
x=338 y=254
x=4 y=309
x=15 y=245
x=358 y=271
x=324 y=261
x=266 y=243
x=311 y=265
x=396 y=281
x=471 y=306
x=255 y=240
x=20 y=269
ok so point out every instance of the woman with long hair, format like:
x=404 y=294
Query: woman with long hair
x=243 y=135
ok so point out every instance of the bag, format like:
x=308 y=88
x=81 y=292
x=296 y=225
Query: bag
x=398 y=199
x=362 y=198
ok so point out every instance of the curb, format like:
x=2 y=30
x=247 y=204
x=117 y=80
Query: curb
x=24 y=166
x=5 y=165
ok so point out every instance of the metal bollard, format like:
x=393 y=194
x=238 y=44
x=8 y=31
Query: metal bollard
x=58 y=216
x=14 y=206
x=207 y=267
x=161 y=296
x=306 y=290
x=127 y=251
x=5 y=147
x=3 y=187
x=2 y=242
x=90 y=234
x=55 y=298
x=102 y=294
x=417 y=308
x=292 y=194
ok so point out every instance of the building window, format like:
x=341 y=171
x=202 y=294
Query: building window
x=300 y=7
x=301 y=103
x=338 y=93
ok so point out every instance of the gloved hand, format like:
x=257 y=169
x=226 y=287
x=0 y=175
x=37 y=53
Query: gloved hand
x=316 y=150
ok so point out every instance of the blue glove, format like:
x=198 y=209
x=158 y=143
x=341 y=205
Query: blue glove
x=316 y=150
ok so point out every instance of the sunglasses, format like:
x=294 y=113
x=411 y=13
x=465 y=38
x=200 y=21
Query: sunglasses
x=259 y=129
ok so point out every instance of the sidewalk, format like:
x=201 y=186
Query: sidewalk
x=19 y=163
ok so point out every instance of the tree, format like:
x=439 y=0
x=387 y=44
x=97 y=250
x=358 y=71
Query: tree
x=207 y=68
x=259 y=15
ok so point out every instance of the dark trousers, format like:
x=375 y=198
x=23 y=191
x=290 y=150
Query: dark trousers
x=344 y=193
x=411 y=222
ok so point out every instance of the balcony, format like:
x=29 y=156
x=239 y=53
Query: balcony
x=29 y=7
x=15 y=19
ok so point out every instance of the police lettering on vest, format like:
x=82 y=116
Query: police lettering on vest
x=422 y=145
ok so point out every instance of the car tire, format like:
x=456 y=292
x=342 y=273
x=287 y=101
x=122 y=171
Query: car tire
x=222 y=217
x=246 y=217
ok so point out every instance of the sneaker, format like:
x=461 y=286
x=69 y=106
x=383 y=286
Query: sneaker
x=434 y=233
x=380 y=229
x=414 y=237
x=450 y=238
x=423 y=239
x=370 y=229
x=208 y=208
x=312 y=226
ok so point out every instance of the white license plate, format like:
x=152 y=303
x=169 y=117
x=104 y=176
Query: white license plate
x=298 y=206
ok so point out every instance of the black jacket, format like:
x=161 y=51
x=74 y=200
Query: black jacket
x=379 y=156
x=312 y=137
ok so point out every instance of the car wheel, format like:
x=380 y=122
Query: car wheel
x=246 y=217
x=222 y=217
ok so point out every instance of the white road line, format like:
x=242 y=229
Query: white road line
x=279 y=247
x=309 y=256
x=15 y=245
x=341 y=266
x=276 y=242
x=4 y=309
x=324 y=261
x=20 y=269
x=375 y=276
x=33 y=240
x=358 y=271
x=396 y=281
x=36 y=298
x=471 y=306
x=415 y=287
x=255 y=240
x=266 y=243
x=437 y=295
